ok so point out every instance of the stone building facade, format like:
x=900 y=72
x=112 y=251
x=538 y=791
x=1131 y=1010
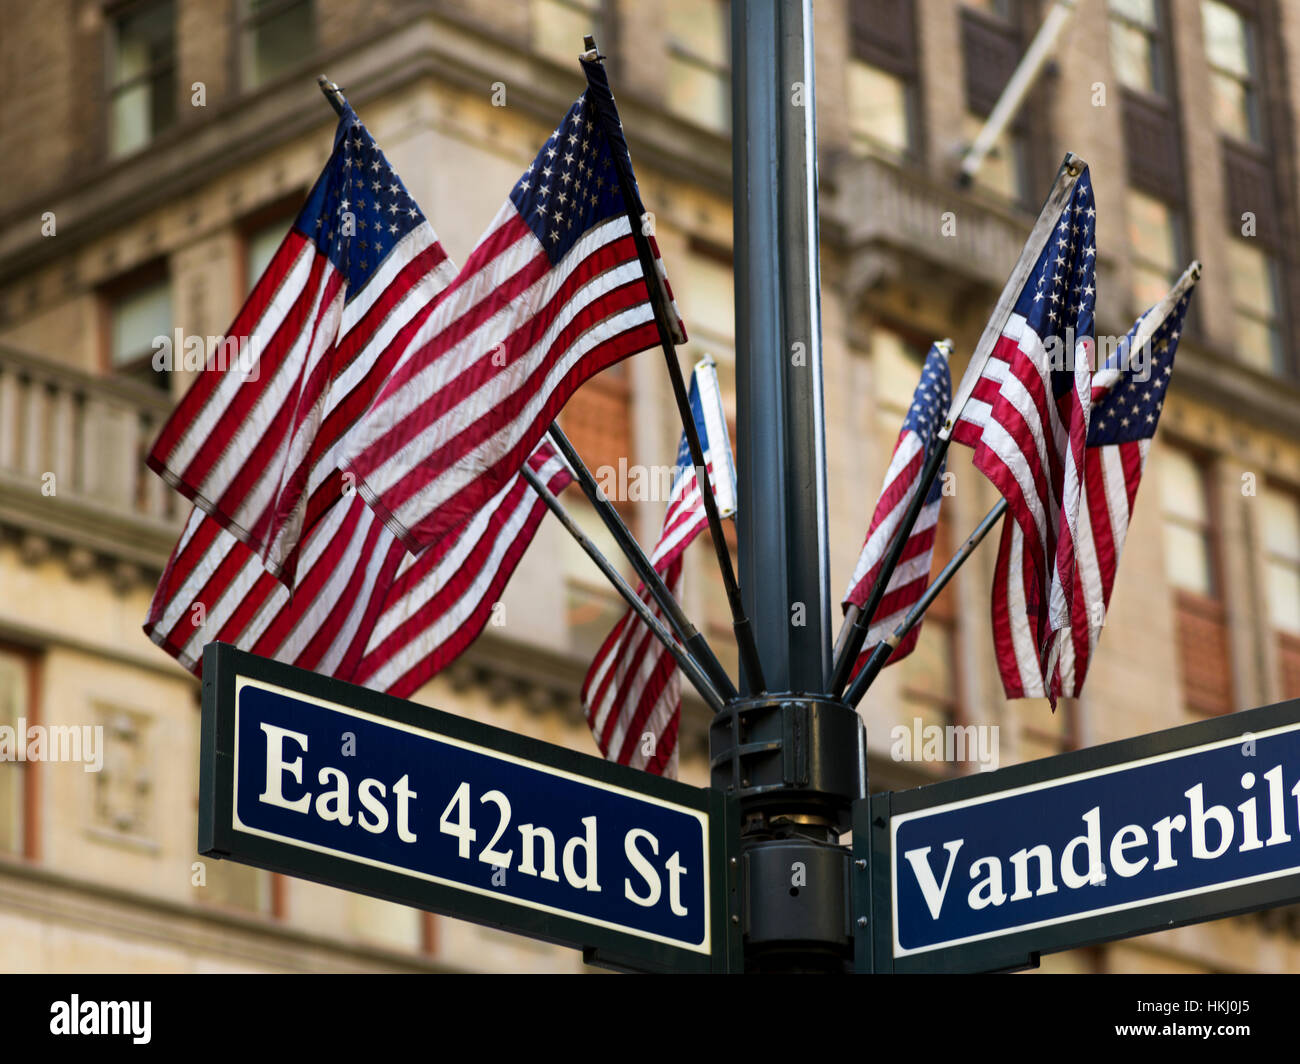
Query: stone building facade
x=155 y=153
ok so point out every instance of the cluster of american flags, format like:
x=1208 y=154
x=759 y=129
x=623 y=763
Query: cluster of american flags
x=359 y=498
x=1065 y=443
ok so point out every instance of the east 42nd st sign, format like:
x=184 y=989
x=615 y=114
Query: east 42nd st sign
x=320 y=779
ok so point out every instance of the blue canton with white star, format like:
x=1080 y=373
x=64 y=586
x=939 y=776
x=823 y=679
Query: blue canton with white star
x=572 y=185
x=929 y=409
x=1129 y=411
x=358 y=208
x=1061 y=292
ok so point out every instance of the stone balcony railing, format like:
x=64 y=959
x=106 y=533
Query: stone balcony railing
x=894 y=222
x=72 y=472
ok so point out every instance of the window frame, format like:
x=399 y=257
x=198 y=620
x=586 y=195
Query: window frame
x=1210 y=608
x=1276 y=324
x=1291 y=494
x=112 y=292
x=114 y=16
x=246 y=23
x=1254 y=83
x=1178 y=233
x=676 y=51
x=1160 y=56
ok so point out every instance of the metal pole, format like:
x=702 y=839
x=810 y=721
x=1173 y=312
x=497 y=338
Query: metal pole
x=1017 y=88
x=751 y=666
x=880 y=656
x=681 y=625
x=715 y=677
x=688 y=664
x=781 y=525
x=1066 y=178
x=794 y=758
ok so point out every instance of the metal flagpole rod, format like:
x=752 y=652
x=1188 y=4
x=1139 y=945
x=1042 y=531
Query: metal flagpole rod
x=693 y=641
x=880 y=656
x=681 y=625
x=1021 y=81
x=1146 y=328
x=1062 y=189
x=689 y=665
x=794 y=759
x=752 y=669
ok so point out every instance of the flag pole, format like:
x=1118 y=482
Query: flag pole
x=688 y=664
x=880 y=656
x=745 y=641
x=681 y=625
x=1017 y=88
x=1062 y=189
x=851 y=614
x=693 y=641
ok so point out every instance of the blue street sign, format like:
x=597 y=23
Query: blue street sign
x=1182 y=825
x=334 y=782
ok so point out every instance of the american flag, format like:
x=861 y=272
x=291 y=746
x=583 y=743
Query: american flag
x=1028 y=422
x=908 y=582
x=553 y=293
x=1127 y=397
x=632 y=693
x=355 y=277
x=351 y=579
x=364 y=610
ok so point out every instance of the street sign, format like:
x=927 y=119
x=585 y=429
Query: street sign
x=988 y=871
x=320 y=779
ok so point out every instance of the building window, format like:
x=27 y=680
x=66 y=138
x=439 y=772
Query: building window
x=1191 y=569
x=883 y=78
x=260 y=247
x=1135 y=50
x=880 y=110
x=1256 y=306
x=992 y=47
x=1153 y=239
x=142 y=76
x=139 y=312
x=1003 y=170
x=1230 y=47
x=699 y=61
x=1003 y=9
x=277 y=35
x=560 y=25
x=1281 y=535
x=17 y=712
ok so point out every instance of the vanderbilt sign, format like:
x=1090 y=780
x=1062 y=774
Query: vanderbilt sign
x=1181 y=825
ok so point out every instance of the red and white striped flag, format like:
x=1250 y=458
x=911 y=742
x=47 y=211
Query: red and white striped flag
x=356 y=275
x=351 y=577
x=1028 y=422
x=364 y=610
x=908 y=582
x=1127 y=396
x=553 y=293
x=632 y=693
